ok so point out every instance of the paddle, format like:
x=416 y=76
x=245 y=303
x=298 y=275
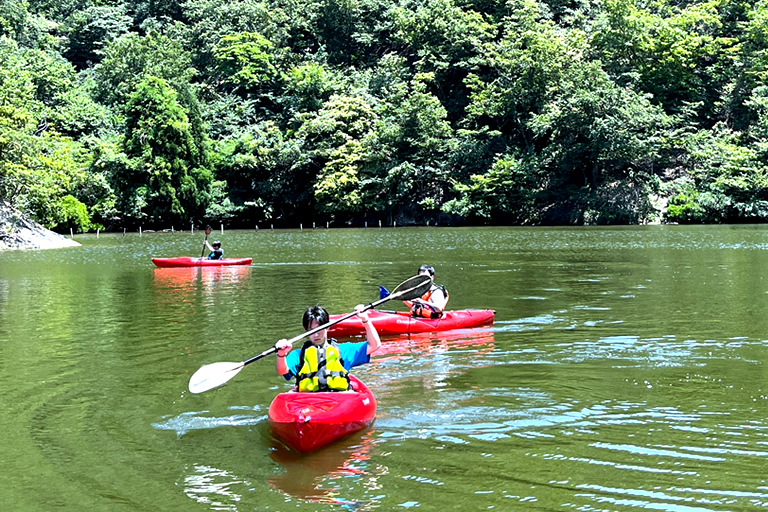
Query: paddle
x=207 y=232
x=216 y=374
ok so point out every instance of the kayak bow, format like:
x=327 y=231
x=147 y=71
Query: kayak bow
x=309 y=421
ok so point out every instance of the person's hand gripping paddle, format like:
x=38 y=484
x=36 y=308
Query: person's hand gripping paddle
x=207 y=232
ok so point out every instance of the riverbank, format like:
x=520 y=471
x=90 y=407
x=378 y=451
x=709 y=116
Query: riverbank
x=19 y=232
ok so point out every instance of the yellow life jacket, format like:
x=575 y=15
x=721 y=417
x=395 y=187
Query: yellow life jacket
x=427 y=310
x=322 y=370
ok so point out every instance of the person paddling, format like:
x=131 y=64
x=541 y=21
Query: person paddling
x=216 y=251
x=323 y=364
x=431 y=304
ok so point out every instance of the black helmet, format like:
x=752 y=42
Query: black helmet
x=217 y=243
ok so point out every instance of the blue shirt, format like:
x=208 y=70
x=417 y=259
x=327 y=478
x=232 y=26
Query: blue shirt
x=353 y=354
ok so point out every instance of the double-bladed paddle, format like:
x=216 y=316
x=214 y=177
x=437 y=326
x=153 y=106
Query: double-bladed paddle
x=207 y=232
x=216 y=374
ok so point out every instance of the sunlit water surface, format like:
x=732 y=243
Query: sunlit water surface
x=625 y=371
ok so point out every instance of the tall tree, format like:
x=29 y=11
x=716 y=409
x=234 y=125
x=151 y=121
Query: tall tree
x=160 y=180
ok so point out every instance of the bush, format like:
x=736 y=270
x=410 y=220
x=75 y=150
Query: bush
x=72 y=214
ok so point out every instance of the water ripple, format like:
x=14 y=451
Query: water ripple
x=191 y=421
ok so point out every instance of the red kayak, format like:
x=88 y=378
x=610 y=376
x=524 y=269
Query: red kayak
x=186 y=261
x=308 y=421
x=402 y=322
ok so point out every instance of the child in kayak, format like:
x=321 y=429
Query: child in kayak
x=216 y=252
x=431 y=304
x=323 y=364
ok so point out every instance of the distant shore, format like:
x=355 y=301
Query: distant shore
x=18 y=232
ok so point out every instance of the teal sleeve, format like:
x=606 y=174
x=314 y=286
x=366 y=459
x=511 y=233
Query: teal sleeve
x=354 y=354
x=292 y=360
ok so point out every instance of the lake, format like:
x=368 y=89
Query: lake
x=626 y=370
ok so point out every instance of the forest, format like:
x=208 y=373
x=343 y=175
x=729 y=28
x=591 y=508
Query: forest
x=120 y=114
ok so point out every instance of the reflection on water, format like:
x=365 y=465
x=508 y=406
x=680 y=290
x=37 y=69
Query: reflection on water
x=175 y=285
x=213 y=487
x=189 y=277
x=327 y=475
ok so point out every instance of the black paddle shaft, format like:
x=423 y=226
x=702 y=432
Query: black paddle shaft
x=407 y=290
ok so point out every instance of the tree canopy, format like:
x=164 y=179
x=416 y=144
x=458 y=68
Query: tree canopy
x=127 y=113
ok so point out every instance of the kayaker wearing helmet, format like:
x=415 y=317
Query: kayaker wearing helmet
x=323 y=364
x=216 y=252
x=432 y=303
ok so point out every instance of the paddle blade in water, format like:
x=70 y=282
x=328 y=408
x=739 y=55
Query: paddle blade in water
x=213 y=375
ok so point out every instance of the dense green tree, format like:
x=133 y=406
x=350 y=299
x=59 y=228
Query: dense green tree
x=672 y=48
x=89 y=30
x=519 y=70
x=265 y=174
x=209 y=21
x=129 y=59
x=38 y=167
x=447 y=39
x=160 y=181
x=244 y=61
x=506 y=194
x=13 y=19
x=306 y=87
x=333 y=140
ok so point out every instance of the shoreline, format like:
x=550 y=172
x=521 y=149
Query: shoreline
x=20 y=233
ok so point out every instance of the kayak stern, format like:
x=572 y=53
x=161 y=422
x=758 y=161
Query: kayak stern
x=401 y=322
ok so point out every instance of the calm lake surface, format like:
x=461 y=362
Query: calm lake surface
x=626 y=370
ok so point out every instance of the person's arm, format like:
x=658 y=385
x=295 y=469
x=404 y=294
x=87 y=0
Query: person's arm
x=208 y=245
x=283 y=349
x=371 y=334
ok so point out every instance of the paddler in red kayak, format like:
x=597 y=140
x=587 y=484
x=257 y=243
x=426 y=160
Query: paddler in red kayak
x=323 y=364
x=431 y=304
x=216 y=252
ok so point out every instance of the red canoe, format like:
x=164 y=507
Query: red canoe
x=401 y=322
x=186 y=261
x=308 y=421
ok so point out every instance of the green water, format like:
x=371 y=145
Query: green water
x=625 y=371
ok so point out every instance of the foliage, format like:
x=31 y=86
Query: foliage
x=131 y=58
x=505 y=194
x=89 y=31
x=244 y=60
x=158 y=179
x=125 y=112
x=72 y=214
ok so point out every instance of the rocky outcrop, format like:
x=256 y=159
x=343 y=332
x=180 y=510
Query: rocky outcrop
x=18 y=232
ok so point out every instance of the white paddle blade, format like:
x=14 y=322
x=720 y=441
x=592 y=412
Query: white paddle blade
x=213 y=375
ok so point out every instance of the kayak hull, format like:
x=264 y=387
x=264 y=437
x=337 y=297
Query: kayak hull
x=307 y=422
x=401 y=322
x=185 y=261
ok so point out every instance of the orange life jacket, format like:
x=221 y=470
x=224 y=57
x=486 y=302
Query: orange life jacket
x=428 y=310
